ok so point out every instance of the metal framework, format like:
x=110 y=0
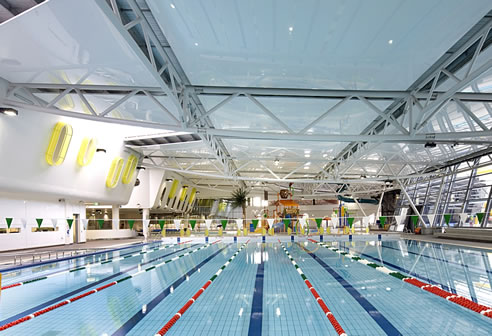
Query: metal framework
x=463 y=55
x=132 y=18
x=454 y=190
x=404 y=121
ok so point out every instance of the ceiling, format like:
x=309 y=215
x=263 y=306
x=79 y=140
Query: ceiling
x=319 y=93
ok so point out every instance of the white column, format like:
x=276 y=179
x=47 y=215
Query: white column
x=115 y=210
x=145 y=215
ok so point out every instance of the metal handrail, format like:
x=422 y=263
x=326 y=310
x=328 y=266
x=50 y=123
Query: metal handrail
x=20 y=256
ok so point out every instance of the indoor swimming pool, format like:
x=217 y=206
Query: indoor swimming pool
x=281 y=287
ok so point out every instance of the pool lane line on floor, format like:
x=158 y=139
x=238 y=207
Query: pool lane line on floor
x=76 y=291
x=256 y=317
x=338 y=328
x=15 y=268
x=195 y=297
x=97 y=263
x=460 y=300
x=375 y=314
x=135 y=319
x=93 y=291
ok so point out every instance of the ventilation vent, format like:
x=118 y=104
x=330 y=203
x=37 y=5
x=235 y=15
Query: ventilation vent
x=162 y=139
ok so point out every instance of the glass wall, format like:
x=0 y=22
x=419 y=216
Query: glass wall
x=460 y=191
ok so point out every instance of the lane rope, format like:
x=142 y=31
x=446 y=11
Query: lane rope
x=93 y=264
x=93 y=291
x=338 y=328
x=460 y=300
x=192 y=300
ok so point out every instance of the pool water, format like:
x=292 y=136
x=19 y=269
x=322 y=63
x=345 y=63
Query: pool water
x=253 y=288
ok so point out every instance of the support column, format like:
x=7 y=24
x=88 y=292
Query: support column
x=471 y=179
x=358 y=204
x=438 y=200
x=145 y=228
x=485 y=219
x=451 y=178
x=378 y=212
x=115 y=210
x=411 y=202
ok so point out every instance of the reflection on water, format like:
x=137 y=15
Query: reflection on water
x=462 y=271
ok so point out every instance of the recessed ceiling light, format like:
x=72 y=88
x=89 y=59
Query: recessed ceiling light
x=11 y=112
x=390 y=42
x=196 y=44
x=307 y=155
x=172 y=6
x=291 y=29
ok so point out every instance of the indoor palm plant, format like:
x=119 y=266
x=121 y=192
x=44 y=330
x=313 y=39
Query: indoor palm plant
x=240 y=199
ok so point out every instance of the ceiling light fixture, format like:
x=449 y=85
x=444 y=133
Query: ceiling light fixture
x=430 y=144
x=8 y=111
x=291 y=29
x=390 y=42
x=172 y=6
x=196 y=44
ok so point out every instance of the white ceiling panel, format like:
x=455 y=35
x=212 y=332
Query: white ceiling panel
x=68 y=41
x=361 y=44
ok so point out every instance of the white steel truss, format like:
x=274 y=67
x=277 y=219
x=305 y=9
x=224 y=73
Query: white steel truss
x=419 y=113
x=403 y=121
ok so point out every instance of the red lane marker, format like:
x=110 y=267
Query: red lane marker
x=58 y=305
x=20 y=283
x=460 y=300
x=183 y=309
x=338 y=328
x=11 y=286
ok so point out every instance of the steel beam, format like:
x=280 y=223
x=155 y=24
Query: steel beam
x=332 y=94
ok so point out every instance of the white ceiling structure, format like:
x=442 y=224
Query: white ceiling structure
x=319 y=93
